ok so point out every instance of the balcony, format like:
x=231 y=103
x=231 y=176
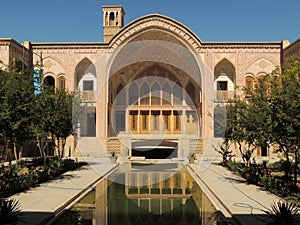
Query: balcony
x=88 y=96
x=223 y=96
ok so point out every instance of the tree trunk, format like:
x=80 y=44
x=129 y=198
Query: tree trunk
x=42 y=145
x=288 y=172
x=241 y=151
x=21 y=152
x=39 y=145
x=16 y=154
x=287 y=168
x=5 y=153
x=295 y=171
x=58 y=147
x=2 y=157
x=9 y=154
x=63 y=143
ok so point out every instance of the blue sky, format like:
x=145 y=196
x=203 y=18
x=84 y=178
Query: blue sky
x=211 y=20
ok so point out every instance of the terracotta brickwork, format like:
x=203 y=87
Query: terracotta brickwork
x=99 y=69
x=11 y=50
x=292 y=50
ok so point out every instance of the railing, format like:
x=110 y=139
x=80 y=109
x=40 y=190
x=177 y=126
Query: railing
x=223 y=96
x=87 y=96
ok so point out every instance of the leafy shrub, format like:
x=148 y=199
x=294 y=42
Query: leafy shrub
x=17 y=178
x=283 y=213
x=268 y=182
x=69 y=164
x=55 y=166
x=234 y=166
x=224 y=150
x=9 y=211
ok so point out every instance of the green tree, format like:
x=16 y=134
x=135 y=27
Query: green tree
x=270 y=116
x=285 y=103
x=235 y=126
x=257 y=124
x=43 y=125
x=27 y=115
x=249 y=120
x=53 y=119
x=16 y=99
x=62 y=119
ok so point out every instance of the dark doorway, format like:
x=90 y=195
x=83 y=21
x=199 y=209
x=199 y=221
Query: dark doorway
x=155 y=149
x=120 y=121
x=88 y=123
x=264 y=150
x=91 y=124
x=155 y=153
x=49 y=81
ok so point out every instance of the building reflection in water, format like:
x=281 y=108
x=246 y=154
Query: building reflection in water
x=144 y=194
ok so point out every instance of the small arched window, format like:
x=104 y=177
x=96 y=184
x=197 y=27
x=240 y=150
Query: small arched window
x=155 y=94
x=49 y=83
x=133 y=94
x=190 y=99
x=121 y=95
x=249 y=84
x=61 y=83
x=260 y=80
x=112 y=16
x=144 y=94
x=177 y=94
x=111 y=19
x=166 y=94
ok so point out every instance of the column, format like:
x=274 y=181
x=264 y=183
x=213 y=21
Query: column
x=127 y=127
x=138 y=122
x=107 y=18
x=104 y=19
x=183 y=122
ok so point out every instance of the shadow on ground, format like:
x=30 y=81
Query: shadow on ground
x=35 y=218
x=42 y=218
x=241 y=219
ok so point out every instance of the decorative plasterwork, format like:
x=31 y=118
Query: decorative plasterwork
x=160 y=22
x=219 y=57
x=51 y=65
x=261 y=65
x=248 y=47
x=252 y=58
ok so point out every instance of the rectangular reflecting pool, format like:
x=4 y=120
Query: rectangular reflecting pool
x=143 y=194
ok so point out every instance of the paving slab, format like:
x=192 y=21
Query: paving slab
x=40 y=204
x=245 y=203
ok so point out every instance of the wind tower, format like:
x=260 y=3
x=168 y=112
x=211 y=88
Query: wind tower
x=113 y=21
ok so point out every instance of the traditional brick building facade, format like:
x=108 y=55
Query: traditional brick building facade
x=291 y=50
x=153 y=85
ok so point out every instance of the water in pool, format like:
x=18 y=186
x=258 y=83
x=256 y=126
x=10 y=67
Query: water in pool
x=143 y=194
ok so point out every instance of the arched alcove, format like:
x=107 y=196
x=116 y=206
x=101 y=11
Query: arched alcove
x=85 y=71
x=224 y=80
x=49 y=81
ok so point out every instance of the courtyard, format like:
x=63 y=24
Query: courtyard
x=152 y=124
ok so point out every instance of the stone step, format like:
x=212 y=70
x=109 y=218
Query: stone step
x=90 y=147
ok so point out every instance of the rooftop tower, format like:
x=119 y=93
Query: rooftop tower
x=113 y=21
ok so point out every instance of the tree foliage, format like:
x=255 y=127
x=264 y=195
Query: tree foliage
x=285 y=107
x=28 y=116
x=270 y=116
x=16 y=114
